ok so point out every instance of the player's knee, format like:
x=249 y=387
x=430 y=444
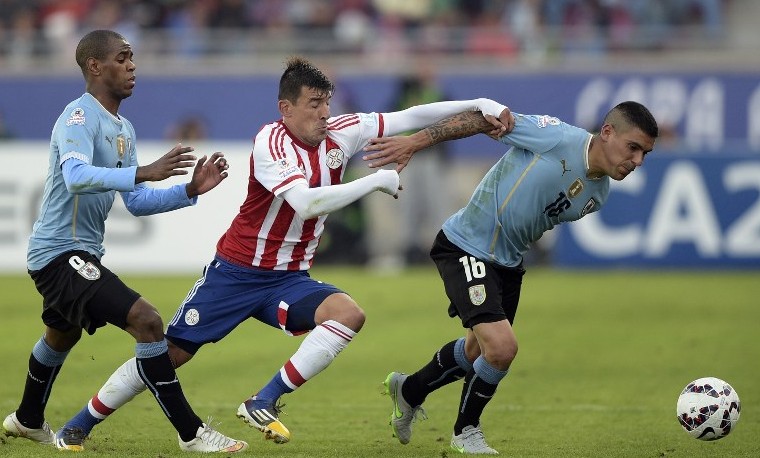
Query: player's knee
x=343 y=309
x=353 y=317
x=144 y=322
x=502 y=356
x=62 y=340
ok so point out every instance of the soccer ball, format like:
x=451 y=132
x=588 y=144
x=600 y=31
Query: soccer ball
x=708 y=408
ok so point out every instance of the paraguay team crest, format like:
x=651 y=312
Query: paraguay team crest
x=192 y=317
x=334 y=158
x=477 y=294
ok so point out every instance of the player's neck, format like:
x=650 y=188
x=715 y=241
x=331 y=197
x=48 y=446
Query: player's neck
x=592 y=153
x=107 y=101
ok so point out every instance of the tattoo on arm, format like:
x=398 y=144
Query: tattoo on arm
x=461 y=125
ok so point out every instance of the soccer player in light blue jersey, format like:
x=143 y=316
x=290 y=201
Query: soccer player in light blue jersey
x=553 y=173
x=92 y=156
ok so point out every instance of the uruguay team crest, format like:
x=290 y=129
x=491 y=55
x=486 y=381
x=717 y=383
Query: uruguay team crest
x=477 y=294
x=575 y=188
x=121 y=146
x=334 y=158
x=87 y=269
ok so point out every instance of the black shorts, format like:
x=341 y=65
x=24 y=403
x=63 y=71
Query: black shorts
x=479 y=291
x=79 y=292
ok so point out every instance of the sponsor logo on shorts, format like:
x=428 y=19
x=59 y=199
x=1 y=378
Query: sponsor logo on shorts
x=87 y=269
x=477 y=294
x=192 y=317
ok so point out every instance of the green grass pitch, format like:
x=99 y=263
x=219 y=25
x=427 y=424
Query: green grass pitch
x=603 y=356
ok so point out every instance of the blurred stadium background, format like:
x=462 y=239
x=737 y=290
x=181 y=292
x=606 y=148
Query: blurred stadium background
x=208 y=73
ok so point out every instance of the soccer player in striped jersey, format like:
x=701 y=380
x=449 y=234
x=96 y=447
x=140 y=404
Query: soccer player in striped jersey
x=261 y=265
x=553 y=173
x=92 y=156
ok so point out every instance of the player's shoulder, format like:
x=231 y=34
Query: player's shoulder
x=270 y=134
x=79 y=111
x=345 y=121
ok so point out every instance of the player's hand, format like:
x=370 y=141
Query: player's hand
x=386 y=150
x=207 y=174
x=502 y=125
x=170 y=164
x=390 y=183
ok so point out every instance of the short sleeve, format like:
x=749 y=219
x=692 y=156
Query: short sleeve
x=275 y=162
x=535 y=133
x=75 y=132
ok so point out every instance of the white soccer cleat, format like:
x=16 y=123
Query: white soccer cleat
x=472 y=441
x=208 y=440
x=403 y=414
x=14 y=428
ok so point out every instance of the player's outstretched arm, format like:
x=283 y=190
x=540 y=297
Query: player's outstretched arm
x=312 y=202
x=399 y=149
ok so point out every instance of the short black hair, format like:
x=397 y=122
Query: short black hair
x=634 y=114
x=298 y=73
x=95 y=44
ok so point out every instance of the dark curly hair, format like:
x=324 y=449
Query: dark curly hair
x=298 y=73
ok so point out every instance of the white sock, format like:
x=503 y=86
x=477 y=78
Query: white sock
x=123 y=385
x=317 y=351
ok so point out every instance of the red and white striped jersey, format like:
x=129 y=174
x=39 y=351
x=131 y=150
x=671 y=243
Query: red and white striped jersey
x=267 y=233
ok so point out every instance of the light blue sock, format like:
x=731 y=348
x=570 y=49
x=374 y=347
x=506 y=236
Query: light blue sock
x=46 y=355
x=488 y=373
x=459 y=355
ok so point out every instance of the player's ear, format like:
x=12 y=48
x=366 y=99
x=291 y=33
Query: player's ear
x=93 y=66
x=606 y=131
x=285 y=107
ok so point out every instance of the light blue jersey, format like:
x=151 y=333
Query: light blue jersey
x=539 y=183
x=74 y=219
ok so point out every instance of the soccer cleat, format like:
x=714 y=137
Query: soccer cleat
x=403 y=414
x=209 y=440
x=471 y=441
x=71 y=439
x=265 y=418
x=43 y=435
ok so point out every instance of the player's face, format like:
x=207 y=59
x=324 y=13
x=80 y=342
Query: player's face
x=624 y=150
x=118 y=70
x=307 y=118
